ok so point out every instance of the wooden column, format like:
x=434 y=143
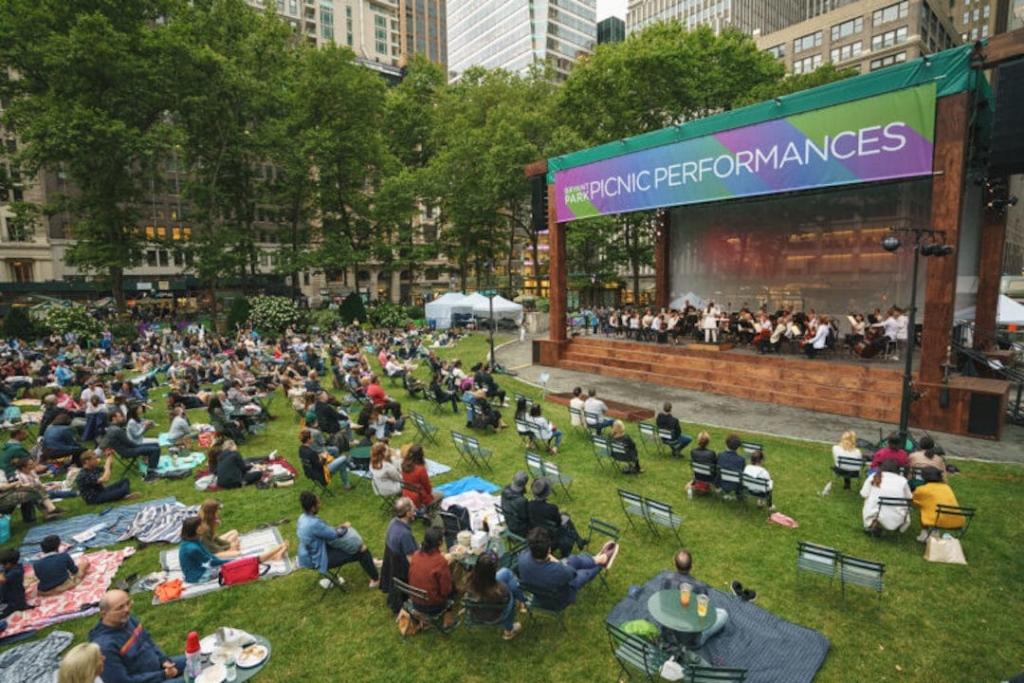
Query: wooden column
x=951 y=116
x=990 y=268
x=557 y=275
x=662 y=258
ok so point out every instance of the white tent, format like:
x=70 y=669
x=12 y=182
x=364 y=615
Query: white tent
x=503 y=308
x=1009 y=312
x=694 y=300
x=441 y=309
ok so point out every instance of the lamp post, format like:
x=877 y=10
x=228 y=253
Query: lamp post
x=924 y=245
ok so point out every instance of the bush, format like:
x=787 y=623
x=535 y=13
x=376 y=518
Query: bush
x=323 y=318
x=274 y=313
x=124 y=330
x=415 y=312
x=72 y=318
x=352 y=309
x=386 y=314
x=239 y=312
x=18 y=325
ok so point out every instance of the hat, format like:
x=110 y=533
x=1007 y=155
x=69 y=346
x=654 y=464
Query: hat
x=541 y=488
x=310 y=416
x=519 y=480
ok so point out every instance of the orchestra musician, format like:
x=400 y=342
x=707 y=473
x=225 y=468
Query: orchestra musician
x=709 y=323
x=820 y=339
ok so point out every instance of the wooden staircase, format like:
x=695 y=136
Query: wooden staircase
x=868 y=389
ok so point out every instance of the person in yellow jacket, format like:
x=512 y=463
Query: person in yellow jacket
x=927 y=498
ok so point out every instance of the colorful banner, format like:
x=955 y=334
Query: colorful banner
x=880 y=138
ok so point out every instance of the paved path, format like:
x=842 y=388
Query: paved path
x=747 y=415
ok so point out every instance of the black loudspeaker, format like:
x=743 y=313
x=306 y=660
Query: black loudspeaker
x=536 y=352
x=983 y=416
x=1007 y=157
x=539 y=202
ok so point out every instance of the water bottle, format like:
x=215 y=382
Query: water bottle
x=193 y=658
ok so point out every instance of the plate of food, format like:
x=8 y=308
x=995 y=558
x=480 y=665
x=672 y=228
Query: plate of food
x=458 y=551
x=252 y=655
x=212 y=674
x=208 y=644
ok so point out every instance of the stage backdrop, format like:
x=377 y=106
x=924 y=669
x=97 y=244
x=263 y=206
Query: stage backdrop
x=885 y=137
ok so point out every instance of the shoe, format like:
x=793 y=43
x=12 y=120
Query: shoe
x=396 y=433
x=522 y=607
x=347 y=487
x=737 y=589
x=582 y=543
x=149 y=479
x=749 y=595
x=923 y=536
x=611 y=551
x=378 y=563
x=375 y=584
x=509 y=635
x=325 y=584
x=54 y=514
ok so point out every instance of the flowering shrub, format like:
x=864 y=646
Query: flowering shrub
x=273 y=313
x=385 y=314
x=64 y=319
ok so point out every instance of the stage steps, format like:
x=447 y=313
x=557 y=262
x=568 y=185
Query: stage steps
x=868 y=390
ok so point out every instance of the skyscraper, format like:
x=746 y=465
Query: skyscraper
x=422 y=24
x=749 y=16
x=514 y=34
x=611 y=30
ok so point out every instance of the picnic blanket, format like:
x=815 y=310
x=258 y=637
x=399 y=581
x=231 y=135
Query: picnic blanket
x=771 y=649
x=434 y=469
x=159 y=523
x=92 y=530
x=471 y=483
x=167 y=463
x=204 y=482
x=78 y=602
x=253 y=543
x=35 y=662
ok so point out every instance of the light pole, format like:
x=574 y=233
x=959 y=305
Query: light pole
x=924 y=245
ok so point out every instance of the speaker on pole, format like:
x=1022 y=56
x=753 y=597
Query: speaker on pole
x=539 y=201
x=1007 y=156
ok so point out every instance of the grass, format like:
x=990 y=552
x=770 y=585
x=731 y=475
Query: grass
x=938 y=622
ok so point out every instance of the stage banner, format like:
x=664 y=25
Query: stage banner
x=880 y=138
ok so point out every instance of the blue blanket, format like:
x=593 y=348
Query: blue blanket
x=473 y=483
x=167 y=464
x=771 y=649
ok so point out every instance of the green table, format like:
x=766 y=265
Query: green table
x=664 y=606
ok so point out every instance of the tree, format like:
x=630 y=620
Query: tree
x=89 y=99
x=824 y=74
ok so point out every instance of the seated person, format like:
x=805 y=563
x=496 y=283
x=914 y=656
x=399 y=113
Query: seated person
x=485 y=415
x=928 y=496
x=484 y=380
x=232 y=470
x=129 y=653
x=547 y=431
x=846 y=448
x=756 y=470
x=314 y=461
x=59 y=441
x=514 y=505
x=886 y=482
x=180 y=430
x=12 y=583
x=893 y=450
x=539 y=569
x=546 y=515
x=387 y=479
x=200 y=565
x=399 y=546
x=56 y=571
x=927 y=455
x=414 y=471
x=628 y=453
x=117 y=439
x=92 y=479
x=224 y=545
x=442 y=395
x=429 y=571
x=729 y=459
x=498 y=591
x=223 y=423
x=702 y=455
x=598 y=411
x=82 y=664
x=323 y=547
x=667 y=422
x=684 y=565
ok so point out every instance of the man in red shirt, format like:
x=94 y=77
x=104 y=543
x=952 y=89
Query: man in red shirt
x=429 y=571
x=375 y=392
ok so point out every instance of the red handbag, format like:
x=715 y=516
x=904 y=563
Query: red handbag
x=242 y=571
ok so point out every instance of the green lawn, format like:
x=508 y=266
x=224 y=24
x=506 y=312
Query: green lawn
x=938 y=622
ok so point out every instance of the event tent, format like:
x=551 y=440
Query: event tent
x=1009 y=312
x=503 y=308
x=441 y=309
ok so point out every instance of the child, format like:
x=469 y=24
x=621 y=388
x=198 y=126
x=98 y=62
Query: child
x=27 y=478
x=12 y=581
x=56 y=571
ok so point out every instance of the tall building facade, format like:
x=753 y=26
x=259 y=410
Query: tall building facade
x=749 y=16
x=515 y=34
x=979 y=19
x=866 y=36
x=611 y=30
x=423 y=26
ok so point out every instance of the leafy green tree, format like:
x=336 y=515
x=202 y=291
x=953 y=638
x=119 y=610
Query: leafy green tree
x=352 y=309
x=18 y=324
x=823 y=75
x=89 y=99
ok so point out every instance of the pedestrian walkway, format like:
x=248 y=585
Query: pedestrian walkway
x=746 y=415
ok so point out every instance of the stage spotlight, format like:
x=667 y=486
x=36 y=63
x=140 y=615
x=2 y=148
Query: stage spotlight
x=942 y=249
x=928 y=249
x=891 y=243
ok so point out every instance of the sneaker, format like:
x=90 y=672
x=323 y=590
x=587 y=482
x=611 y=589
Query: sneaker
x=611 y=551
x=923 y=536
x=325 y=584
x=509 y=635
x=737 y=589
x=396 y=433
x=749 y=595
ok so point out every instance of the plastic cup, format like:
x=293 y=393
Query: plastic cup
x=702 y=606
x=684 y=594
x=230 y=667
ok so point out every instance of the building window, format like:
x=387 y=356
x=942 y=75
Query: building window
x=808 y=42
x=890 y=13
x=162 y=254
x=888 y=60
x=778 y=51
x=841 y=54
x=889 y=38
x=21 y=271
x=848 y=28
x=807 y=64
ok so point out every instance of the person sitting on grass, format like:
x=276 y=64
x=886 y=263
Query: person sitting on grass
x=92 y=481
x=224 y=545
x=429 y=571
x=539 y=569
x=498 y=592
x=322 y=547
x=886 y=482
x=56 y=571
x=26 y=478
x=628 y=453
x=200 y=565
x=12 y=583
x=82 y=664
x=232 y=470
x=129 y=653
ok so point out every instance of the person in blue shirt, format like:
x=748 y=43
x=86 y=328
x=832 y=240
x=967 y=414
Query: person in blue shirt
x=323 y=547
x=56 y=571
x=729 y=459
x=198 y=564
x=12 y=583
x=539 y=569
x=129 y=651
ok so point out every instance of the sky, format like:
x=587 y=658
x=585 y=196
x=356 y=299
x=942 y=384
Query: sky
x=611 y=8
